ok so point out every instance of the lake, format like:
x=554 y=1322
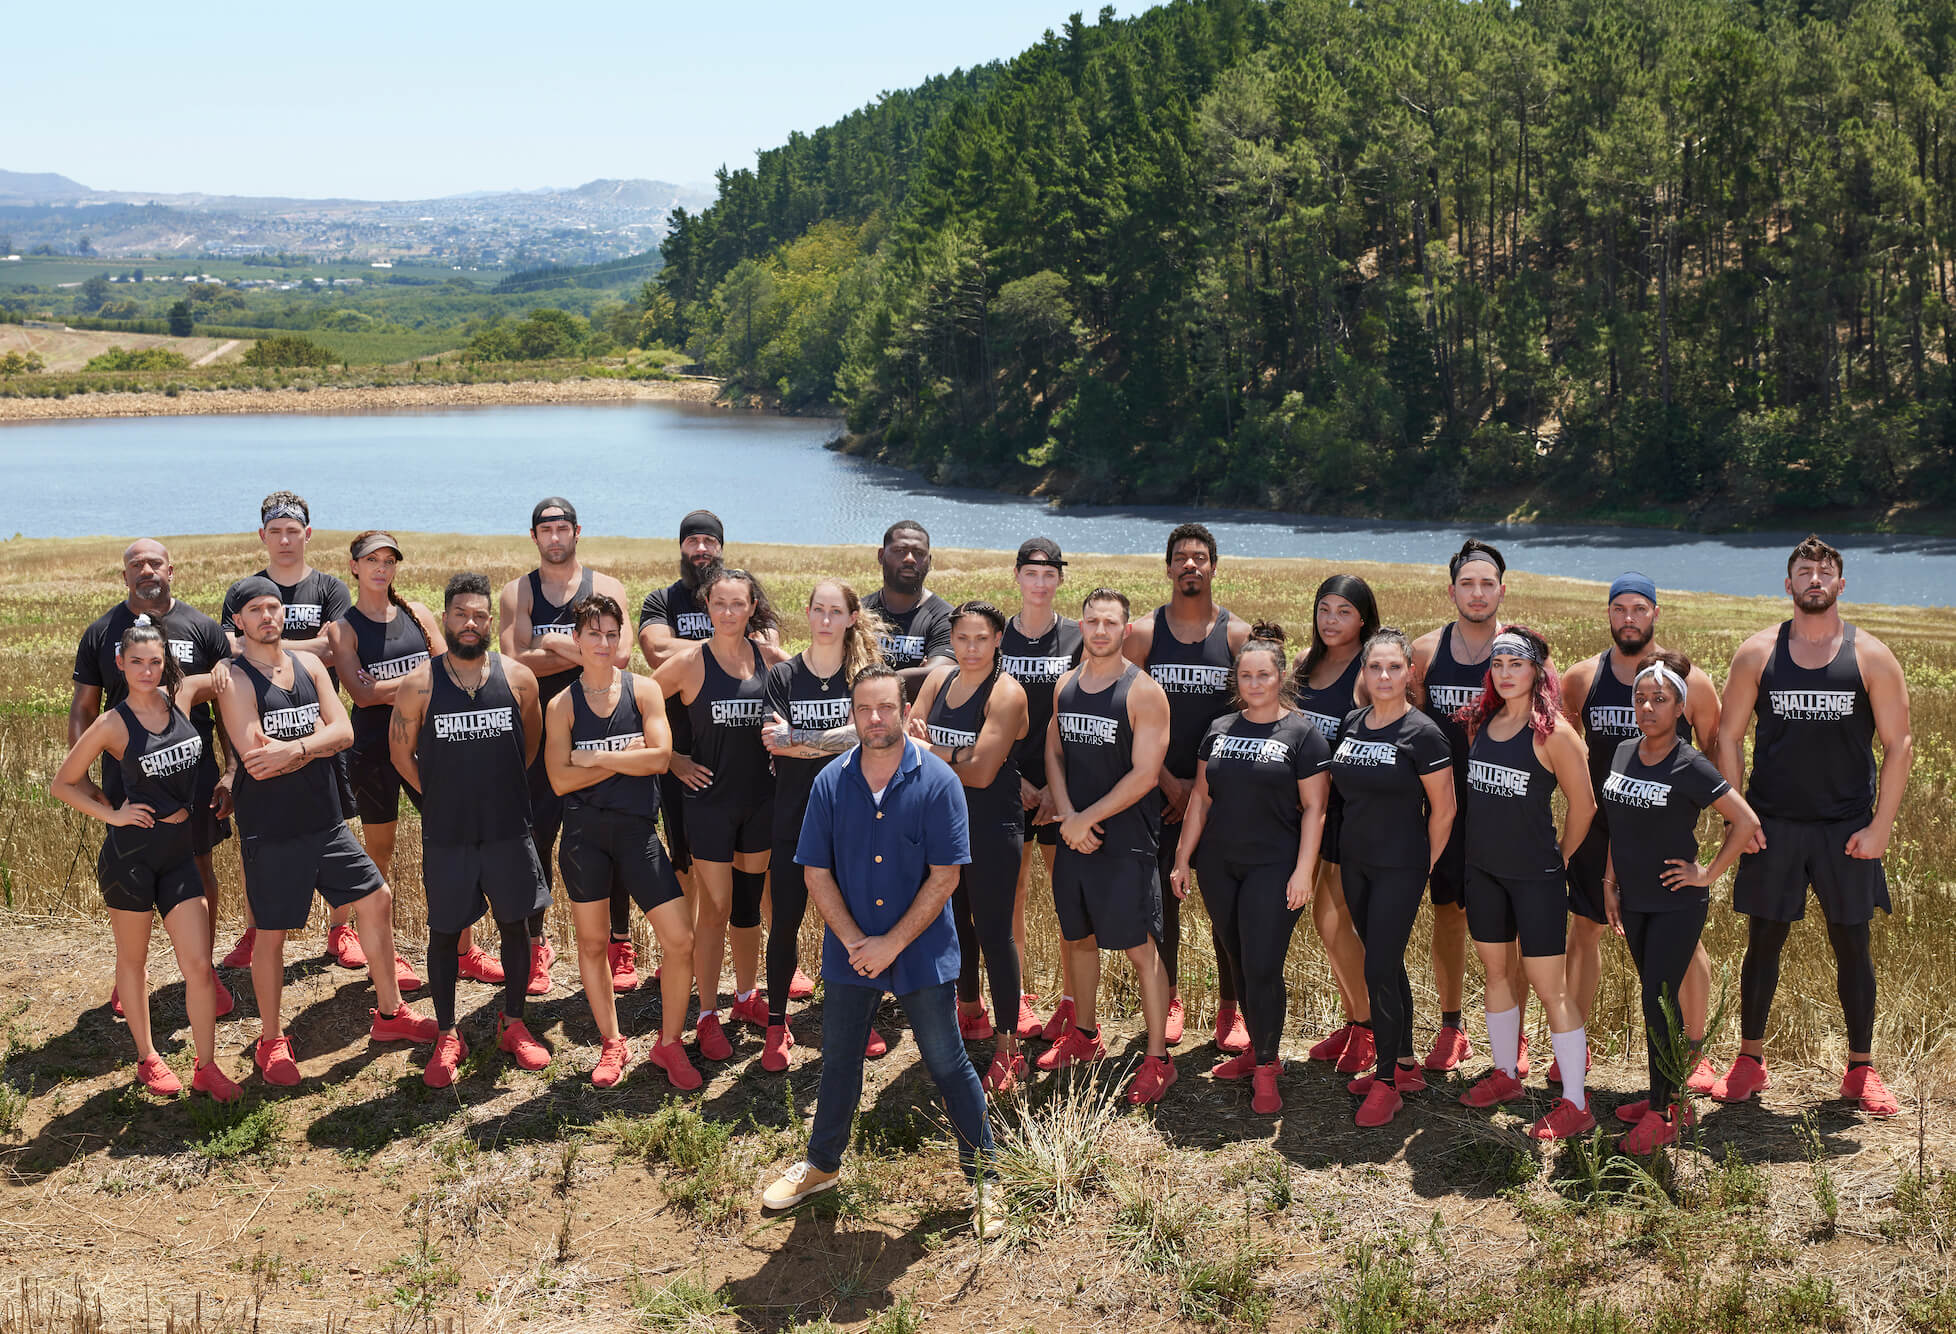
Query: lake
x=633 y=468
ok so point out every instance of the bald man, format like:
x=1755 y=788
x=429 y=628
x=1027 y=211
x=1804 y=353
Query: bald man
x=198 y=643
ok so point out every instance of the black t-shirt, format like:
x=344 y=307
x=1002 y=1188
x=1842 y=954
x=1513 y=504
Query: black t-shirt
x=677 y=607
x=1254 y=770
x=1654 y=813
x=311 y=605
x=196 y=641
x=916 y=635
x=1379 y=771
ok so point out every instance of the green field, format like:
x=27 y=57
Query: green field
x=48 y=272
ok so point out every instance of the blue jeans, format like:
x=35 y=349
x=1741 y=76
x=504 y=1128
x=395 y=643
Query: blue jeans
x=933 y=1014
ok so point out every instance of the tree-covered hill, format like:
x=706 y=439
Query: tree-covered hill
x=1399 y=254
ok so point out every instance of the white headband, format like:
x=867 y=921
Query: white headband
x=1660 y=671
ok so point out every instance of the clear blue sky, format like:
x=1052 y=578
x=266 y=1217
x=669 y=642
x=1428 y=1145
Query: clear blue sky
x=411 y=99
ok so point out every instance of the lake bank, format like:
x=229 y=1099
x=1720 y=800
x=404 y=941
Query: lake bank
x=336 y=398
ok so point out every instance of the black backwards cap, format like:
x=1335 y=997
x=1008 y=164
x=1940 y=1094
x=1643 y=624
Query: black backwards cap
x=537 y=515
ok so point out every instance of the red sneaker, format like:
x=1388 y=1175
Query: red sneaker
x=514 y=1037
x=275 y=1061
x=623 y=957
x=875 y=1048
x=404 y=975
x=1240 y=1066
x=1361 y=1053
x=671 y=1058
x=1264 y=1098
x=1151 y=1081
x=1332 y=1047
x=240 y=955
x=343 y=946
x=1865 y=1086
x=1744 y=1081
x=713 y=1039
x=1061 y=1023
x=774 y=1052
x=1381 y=1104
x=1028 y=1025
x=444 y=1060
x=1231 y=1034
x=1702 y=1077
x=974 y=1025
x=1450 y=1048
x=542 y=955
x=753 y=1010
x=1495 y=1086
x=1630 y=1113
x=1073 y=1049
x=472 y=962
x=613 y=1053
x=209 y=1079
x=1565 y=1120
x=404 y=1025
x=1177 y=1021
x=1651 y=1133
x=1555 y=1066
x=157 y=1077
x=801 y=986
x=1405 y=1079
x=1521 y=1059
x=1004 y=1076
x=226 y=1002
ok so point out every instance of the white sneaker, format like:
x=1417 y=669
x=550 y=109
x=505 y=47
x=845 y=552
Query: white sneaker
x=797 y=1184
x=987 y=1219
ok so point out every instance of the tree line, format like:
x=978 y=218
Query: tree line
x=1692 y=255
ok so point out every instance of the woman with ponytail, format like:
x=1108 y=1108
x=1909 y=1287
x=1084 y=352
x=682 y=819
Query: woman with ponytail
x=1520 y=749
x=973 y=716
x=1252 y=831
x=147 y=865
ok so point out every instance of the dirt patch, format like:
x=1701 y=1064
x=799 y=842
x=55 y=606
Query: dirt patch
x=70 y=349
x=351 y=398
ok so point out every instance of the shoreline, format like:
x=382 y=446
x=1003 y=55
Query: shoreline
x=331 y=398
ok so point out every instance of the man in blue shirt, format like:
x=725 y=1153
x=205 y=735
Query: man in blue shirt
x=881 y=846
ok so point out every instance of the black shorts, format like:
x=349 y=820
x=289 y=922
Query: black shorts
x=464 y=880
x=149 y=870
x=1447 y=883
x=1115 y=899
x=603 y=850
x=717 y=828
x=1534 y=908
x=280 y=875
x=1047 y=834
x=1334 y=826
x=343 y=780
x=546 y=807
x=377 y=785
x=672 y=812
x=1586 y=873
x=1773 y=884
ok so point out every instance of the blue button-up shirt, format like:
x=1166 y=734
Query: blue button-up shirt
x=881 y=856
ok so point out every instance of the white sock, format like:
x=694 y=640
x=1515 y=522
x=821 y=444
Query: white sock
x=706 y=1014
x=746 y=995
x=1572 y=1054
x=1504 y=1038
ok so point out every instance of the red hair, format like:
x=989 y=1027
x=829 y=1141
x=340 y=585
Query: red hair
x=1543 y=711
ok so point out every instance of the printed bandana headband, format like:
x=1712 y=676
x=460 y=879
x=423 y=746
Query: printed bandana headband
x=284 y=512
x=1659 y=671
x=1514 y=646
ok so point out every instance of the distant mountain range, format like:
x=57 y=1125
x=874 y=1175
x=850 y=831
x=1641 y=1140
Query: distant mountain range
x=596 y=221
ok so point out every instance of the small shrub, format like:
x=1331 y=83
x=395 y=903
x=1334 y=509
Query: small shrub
x=684 y=1305
x=138 y=359
x=232 y=1131
x=289 y=350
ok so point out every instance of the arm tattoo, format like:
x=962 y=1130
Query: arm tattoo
x=834 y=741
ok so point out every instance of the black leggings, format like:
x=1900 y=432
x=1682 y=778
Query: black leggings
x=1854 y=978
x=981 y=906
x=790 y=891
x=1384 y=903
x=1254 y=924
x=1662 y=944
x=444 y=970
x=1171 y=925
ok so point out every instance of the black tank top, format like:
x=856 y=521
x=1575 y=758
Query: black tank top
x=1609 y=718
x=548 y=618
x=388 y=650
x=475 y=787
x=812 y=705
x=159 y=769
x=1813 y=748
x=306 y=800
x=1510 y=815
x=1097 y=747
x=1326 y=709
x=1450 y=686
x=1196 y=679
x=996 y=804
x=1038 y=664
x=633 y=794
x=726 y=716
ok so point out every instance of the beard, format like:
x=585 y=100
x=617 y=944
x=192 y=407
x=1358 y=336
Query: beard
x=692 y=575
x=908 y=585
x=1631 y=641
x=466 y=651
x=1815 y=600
x=152 y=590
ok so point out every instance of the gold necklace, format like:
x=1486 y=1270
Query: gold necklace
x=462 y=685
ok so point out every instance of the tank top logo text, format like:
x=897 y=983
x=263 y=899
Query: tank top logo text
x=1367 y=754
x=1257 y=750
x=554 y=628
x=474 y=724
x=393 y=669
x=1040 y=671
x=1611 y=720
x=737 y=712
x=1826 y=706
x=623 y=741
x=1189 y=678
x=1445 y=699
x=951 y=737
x=290 y=724
x=172 y=759
x=1636 y=791
x=1497 y=780
x=1088 y=729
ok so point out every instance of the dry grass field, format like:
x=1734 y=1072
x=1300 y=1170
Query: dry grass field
x=70 y=349
x=362 y=1200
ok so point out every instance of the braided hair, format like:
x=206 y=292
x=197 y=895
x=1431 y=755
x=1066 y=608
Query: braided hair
x=991 y=616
